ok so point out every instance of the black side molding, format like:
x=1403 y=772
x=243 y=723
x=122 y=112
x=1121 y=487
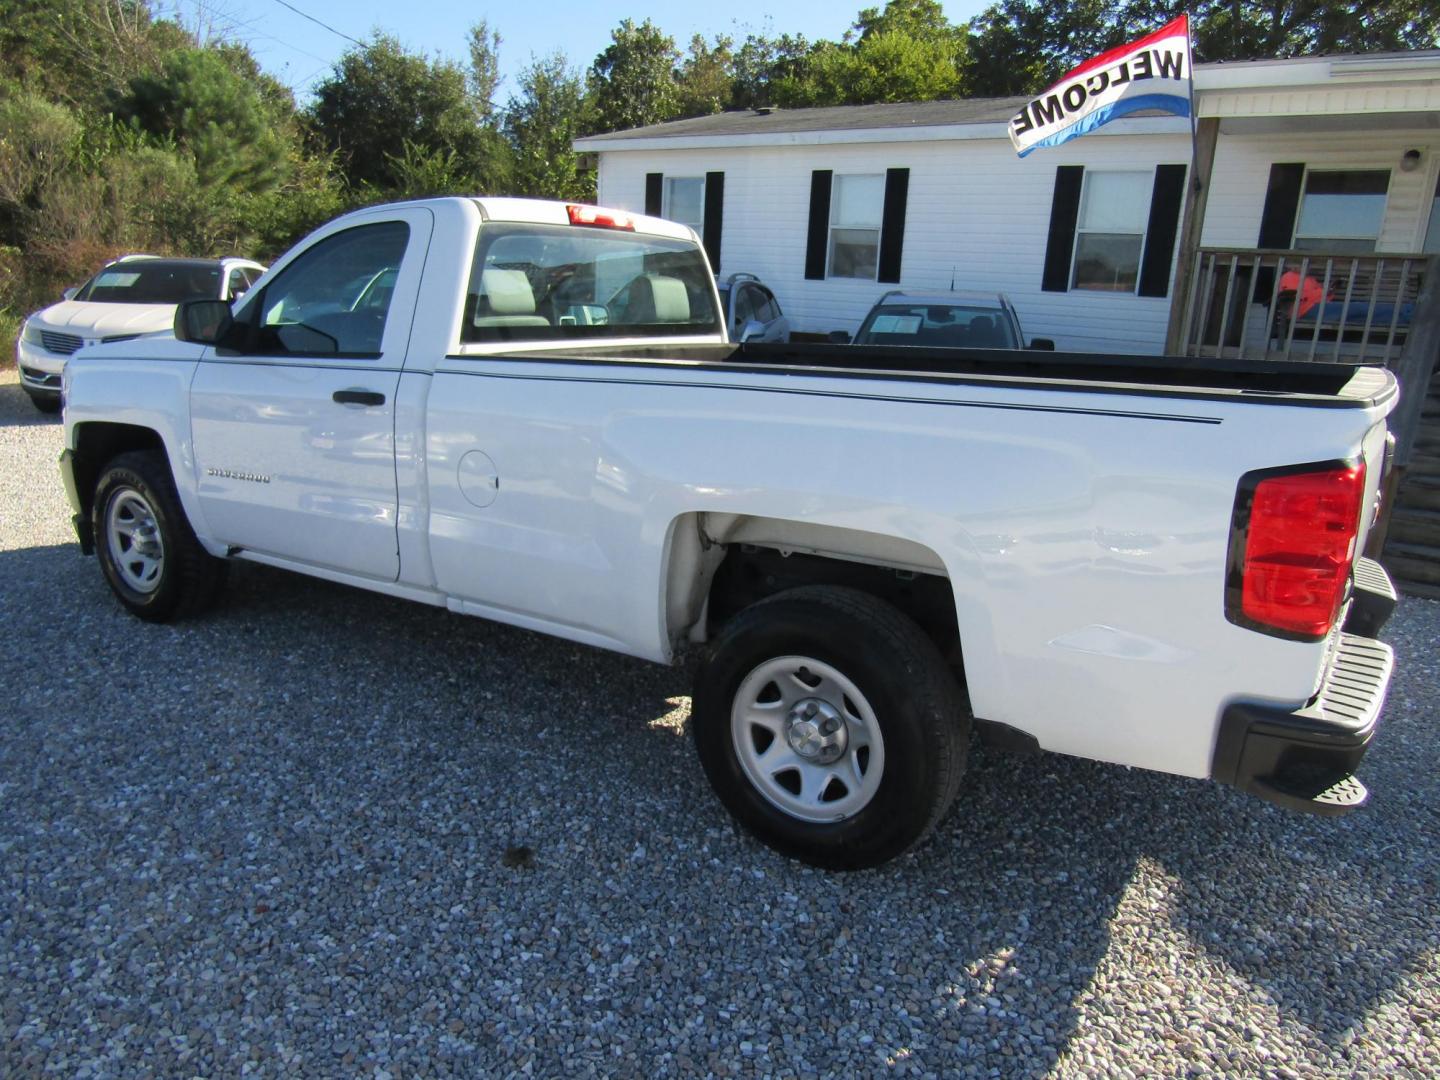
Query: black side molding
x=1004 y=737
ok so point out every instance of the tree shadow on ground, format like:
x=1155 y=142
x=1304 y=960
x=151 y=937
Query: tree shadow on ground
x=16 y=408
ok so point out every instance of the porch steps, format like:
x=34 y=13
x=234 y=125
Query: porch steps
x=1412 y=545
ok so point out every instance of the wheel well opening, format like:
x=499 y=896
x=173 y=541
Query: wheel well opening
x=748 y=574
x=97 y=444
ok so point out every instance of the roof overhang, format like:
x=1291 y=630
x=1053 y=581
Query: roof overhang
x=1144 y=125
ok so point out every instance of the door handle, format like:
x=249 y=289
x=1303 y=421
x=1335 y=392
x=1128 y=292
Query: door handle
x=359 y=397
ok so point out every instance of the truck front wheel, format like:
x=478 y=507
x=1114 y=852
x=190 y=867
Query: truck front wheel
x=145 y=545
x=830 y=726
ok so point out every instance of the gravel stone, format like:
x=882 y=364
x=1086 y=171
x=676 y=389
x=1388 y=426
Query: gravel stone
x=287 y=838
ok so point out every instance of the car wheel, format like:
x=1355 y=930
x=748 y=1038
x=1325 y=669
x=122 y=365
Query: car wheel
x=46 y=403
x=147 y=550
x=830 y=726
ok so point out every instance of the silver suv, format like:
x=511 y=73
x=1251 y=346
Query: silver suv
x=963 y=320
x=751 y=311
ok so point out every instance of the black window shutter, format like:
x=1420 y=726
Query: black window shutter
x=1277 y=220
x=892 y=225
x=1282 y=203
x=817 y=240
x=1064 y=214
x=654 y=185
x=714 y=216
x=1166 y=200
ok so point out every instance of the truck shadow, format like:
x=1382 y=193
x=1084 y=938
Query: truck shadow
x=475 y=738
x=16 y=409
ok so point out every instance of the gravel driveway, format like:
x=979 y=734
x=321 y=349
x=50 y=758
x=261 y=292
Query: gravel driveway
x=324 y=832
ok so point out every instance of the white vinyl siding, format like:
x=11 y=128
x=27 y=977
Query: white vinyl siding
x=976 y=212
x=1242 y=172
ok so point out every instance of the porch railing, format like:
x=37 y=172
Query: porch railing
x=1245 y=303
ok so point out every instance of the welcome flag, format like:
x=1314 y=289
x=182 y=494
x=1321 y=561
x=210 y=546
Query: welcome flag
x=1152 y=73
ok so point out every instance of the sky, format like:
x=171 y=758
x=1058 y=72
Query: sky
x=300 y=52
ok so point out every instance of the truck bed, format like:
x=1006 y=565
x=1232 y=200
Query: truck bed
x=1339 y=385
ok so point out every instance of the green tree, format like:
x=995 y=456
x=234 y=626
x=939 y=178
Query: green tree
x=923 y=20
x=38 y=144
x=1020 y=46
x=762 y=64
x=80 y=51
x=275 y=94
x=483 y=75
x=198 y=101
x=541 y=123
x=1247 y=31
x=889 y=66
x=632 y=82
x=379 y=97
x=706 y=77
x=906 y=51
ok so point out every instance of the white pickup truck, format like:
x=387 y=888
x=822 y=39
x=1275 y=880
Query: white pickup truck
x=529 y=412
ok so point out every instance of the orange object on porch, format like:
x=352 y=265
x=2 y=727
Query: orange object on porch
x=1308 y=292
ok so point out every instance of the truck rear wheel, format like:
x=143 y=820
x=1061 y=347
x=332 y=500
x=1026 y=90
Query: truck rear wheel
x=830 y=726
x=145 y=545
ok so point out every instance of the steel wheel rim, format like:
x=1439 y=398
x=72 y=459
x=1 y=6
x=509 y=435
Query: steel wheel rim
x=820 y=765
x=133 y=535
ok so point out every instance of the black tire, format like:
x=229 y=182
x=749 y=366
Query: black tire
x=186 y=579
x=908 y=692
x=46 y=403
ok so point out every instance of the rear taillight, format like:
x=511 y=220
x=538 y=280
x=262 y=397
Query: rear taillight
x=1292 y=548
x=581 y=214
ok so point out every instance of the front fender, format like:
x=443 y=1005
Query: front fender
x=115 y=403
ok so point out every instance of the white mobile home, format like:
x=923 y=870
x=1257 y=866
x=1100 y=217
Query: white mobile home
x=832 y=207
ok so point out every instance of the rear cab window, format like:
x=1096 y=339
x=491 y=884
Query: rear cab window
x=534 y=282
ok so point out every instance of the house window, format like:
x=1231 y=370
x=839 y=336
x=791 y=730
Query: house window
x=1342 y=211
x=1110 y=231
x=685 y=202
x=857 y=210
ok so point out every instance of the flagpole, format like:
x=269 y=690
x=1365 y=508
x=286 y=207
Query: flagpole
x=1194 y=138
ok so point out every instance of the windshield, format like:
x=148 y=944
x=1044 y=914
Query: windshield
x=952 y=325
x=152 y=281
x=558 y=282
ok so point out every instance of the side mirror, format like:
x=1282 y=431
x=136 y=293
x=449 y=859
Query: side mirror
x=69 y=294
x=752 y=331
x=204 y=322
x=838 y=337
x=1043 y=343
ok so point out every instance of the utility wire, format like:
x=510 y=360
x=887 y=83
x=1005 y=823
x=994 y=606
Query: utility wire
x=317 y=22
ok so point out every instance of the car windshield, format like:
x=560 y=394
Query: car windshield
x=554 y=283
x=152 y=281
x=954 y=325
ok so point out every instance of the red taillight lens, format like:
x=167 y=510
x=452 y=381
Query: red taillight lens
x=1299 y=544
x=604 y=219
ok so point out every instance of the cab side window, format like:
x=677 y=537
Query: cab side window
x=333 y=300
